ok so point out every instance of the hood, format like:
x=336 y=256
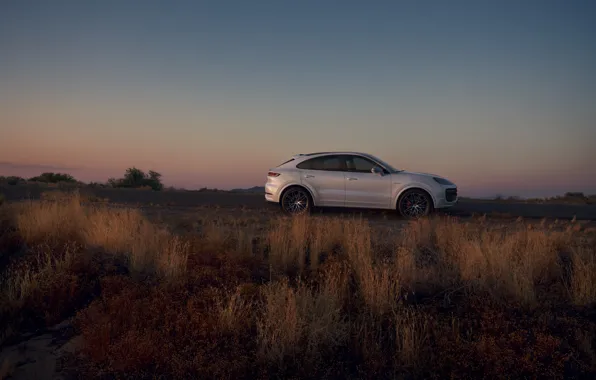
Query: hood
x=422 y=174
x=428 y=177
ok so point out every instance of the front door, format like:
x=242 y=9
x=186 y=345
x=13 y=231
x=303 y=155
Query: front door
x=365 y=188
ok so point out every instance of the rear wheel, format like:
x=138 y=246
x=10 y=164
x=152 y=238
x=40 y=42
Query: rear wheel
x=296 y=201
x=414 y=204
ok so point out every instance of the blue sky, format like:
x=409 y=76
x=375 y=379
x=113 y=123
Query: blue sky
x=496 y=95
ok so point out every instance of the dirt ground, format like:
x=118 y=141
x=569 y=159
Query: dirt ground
x=38 y=356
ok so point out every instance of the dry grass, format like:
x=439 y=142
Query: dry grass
x=583 y=279
x=412 y=338
x=147 y=247
x=505 y=261
x=297 y=242
x=299 y=322
x=303 y=297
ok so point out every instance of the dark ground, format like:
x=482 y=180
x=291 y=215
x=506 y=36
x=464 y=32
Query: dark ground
x=185 y=199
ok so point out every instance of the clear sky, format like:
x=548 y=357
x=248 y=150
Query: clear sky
x=498 y=96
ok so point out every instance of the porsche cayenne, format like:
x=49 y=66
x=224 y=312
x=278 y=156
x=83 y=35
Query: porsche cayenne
x=355 y=180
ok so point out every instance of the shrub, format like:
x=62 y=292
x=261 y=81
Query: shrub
x=574 y=194
x=97 y=184
x=136 y=178
x=53 y=178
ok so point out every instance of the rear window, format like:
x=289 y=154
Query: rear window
x=333 y=163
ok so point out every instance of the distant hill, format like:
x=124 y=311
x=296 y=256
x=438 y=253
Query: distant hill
x=254 y=189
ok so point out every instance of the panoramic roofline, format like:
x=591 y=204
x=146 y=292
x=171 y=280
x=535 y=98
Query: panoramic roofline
x=333 y=152
x=379 y=161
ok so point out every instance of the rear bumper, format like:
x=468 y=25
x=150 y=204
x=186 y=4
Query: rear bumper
x=271 y=193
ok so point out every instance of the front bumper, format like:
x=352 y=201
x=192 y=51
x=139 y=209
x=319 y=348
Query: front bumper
x=447 y=197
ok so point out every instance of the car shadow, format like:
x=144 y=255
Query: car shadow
x=373 y=214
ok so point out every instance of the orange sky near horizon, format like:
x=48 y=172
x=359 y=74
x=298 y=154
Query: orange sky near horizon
x=226 y=152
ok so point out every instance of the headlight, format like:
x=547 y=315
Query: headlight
x=443 y=181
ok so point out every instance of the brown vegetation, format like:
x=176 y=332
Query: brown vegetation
x=305 y=297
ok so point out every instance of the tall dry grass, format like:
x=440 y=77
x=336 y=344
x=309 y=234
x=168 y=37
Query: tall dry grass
x=61 y=240
x=583 y=278
x=148 y=248
x=412 y=335
x=40 y=221
x=336 y=285
x=300 y=322
x=48 y=263
x=295 y=242
x=505 y=262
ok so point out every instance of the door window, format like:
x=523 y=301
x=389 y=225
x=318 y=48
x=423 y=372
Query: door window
x=359 y=164
x=329 y=163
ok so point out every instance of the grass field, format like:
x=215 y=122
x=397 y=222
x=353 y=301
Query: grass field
x=205 y=294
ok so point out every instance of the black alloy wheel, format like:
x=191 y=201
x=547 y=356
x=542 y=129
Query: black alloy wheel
x=296 y=201
x=414 y=204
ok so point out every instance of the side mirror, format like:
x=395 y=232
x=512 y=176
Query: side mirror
x=376 y=170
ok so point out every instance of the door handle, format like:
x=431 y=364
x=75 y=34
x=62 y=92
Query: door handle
x=352 y=179
x=309 y=176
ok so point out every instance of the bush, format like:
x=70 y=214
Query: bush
x=98 y=184
x=53 y=178
x=136 y=178
x=571 y=194
x=1 y=199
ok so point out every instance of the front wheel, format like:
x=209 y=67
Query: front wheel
x=414 y=204
x=296 y=201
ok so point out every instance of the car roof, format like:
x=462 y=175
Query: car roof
x=331 y=152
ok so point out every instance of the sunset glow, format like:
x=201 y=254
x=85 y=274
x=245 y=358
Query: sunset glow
x=499 y=98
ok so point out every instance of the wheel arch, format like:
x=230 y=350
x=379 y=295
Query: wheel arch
x=414 y=187
x=291 y=185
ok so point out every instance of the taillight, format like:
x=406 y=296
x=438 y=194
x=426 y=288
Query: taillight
x=272 y=174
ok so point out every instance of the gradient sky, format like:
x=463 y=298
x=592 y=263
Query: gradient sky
x=498 y=96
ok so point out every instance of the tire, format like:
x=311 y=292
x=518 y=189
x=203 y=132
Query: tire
x=414 y=204
x=296 y=201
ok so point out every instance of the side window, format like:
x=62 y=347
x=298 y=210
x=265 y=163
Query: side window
x=331 y=163
x=304 y=164
x=359 y=164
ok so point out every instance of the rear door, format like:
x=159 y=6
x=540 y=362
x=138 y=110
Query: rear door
x=364 y=188
x=325 y=177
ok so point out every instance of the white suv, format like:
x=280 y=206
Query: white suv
x=355 y=180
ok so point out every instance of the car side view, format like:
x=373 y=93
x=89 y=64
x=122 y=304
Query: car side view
x=355 y=180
